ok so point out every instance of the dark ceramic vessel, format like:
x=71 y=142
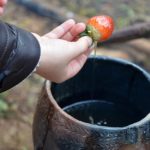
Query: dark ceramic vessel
x=105 y=107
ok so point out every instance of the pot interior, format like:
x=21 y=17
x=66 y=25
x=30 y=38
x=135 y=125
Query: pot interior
x=103 y=113
x=106 y=92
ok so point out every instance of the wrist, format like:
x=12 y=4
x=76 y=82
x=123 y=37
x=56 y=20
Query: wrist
x=37 y=37
x=39 y=68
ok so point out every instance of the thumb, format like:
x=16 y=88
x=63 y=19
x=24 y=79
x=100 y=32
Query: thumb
x=80 y=46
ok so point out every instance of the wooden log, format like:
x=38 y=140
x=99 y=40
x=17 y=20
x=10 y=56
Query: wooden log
x=41 y=10
x=140 y=30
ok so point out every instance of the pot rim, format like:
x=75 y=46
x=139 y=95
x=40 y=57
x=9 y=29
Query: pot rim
x=137 y=124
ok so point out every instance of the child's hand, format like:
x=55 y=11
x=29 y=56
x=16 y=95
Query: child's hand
x=61 y=57
x=2 y=5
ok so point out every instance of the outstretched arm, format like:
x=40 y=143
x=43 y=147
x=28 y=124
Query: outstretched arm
x=59 y=55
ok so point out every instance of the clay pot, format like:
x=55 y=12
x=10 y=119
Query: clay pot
x=105 y=107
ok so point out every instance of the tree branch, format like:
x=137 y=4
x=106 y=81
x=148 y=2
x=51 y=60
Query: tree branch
x=140 y=30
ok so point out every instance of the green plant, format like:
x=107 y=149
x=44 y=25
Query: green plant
x=4 y=108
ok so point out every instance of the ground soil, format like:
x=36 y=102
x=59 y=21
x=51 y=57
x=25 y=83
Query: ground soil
x=16 y=122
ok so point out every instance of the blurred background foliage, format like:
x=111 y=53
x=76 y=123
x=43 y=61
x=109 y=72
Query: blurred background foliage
x=17 y=105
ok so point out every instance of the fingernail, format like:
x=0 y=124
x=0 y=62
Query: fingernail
x=71 y=21
x=89 y=40
x=81 y=25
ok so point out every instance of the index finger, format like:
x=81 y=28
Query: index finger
x=74 y=32
x=59 y=31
